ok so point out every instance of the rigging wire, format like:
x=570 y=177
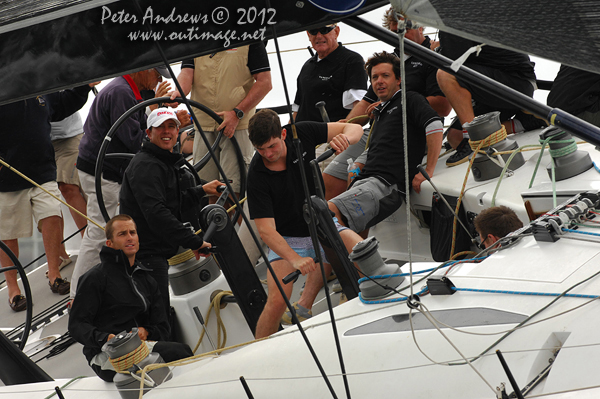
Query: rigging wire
x=313 y=234
x=594 y=298
x=407 y=182
x=425 y=312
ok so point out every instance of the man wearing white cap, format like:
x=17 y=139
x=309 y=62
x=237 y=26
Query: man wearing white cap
x=154 y=194
x=112 y=101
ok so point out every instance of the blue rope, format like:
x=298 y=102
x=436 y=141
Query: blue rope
x=450 y=263
x=580 y=232
x=391 y=300
x=526 y=293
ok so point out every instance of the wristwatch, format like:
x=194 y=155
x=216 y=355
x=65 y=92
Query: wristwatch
x=239 y=113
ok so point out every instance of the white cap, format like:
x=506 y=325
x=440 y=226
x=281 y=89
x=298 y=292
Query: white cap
x=160 y=115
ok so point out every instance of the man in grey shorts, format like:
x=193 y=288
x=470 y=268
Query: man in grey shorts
x=420 y=77
x=337 y=170
x=378 y=190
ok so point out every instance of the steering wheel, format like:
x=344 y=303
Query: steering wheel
x=29 y=312
x=195 y=169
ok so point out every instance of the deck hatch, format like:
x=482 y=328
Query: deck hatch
x=468 y=317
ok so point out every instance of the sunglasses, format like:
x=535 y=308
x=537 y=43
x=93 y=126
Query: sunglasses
x=324 y=30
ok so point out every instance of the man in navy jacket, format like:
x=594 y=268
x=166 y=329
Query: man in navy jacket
x=117 y=295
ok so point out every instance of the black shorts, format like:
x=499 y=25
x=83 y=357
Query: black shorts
x=484 y=102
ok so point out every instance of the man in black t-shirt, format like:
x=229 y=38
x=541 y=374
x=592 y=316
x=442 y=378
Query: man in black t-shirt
x=377 y=191
x=276 y=198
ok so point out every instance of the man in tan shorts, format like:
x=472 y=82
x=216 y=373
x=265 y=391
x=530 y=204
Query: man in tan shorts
x=65 y=136
x=27 y=148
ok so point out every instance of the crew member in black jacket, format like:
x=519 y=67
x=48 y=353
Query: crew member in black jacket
x=153 y=193
x=117 y=295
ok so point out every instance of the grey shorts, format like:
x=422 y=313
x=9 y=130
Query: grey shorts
x=338 y=167
x=368 y=202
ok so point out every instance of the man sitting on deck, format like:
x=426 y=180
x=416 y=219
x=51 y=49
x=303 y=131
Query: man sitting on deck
x=377 y=191
x=276 y=198
x=421 y=78
x=117 y=295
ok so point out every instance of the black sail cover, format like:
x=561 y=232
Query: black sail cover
x=566 y=31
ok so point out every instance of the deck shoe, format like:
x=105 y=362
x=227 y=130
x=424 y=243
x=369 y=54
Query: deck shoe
x=18 y=303
x=64 y=262
x=463 y=151
x=343 y=298
x=60 y=286
x=336 y=287
x=301 y=313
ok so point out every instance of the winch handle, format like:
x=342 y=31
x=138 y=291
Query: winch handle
x=321 y=107
x=292 y=277
x=423 y=172
x=324 y=155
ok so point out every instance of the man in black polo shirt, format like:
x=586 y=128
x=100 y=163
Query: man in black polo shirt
x=419 y=76
x=377 y=191
x=334 y=74
x=276 y=198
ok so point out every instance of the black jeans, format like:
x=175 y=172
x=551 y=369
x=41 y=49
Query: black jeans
x=160 y=272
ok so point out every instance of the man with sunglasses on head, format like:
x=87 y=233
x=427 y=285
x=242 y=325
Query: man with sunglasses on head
x=335 y=75
x=494 y=223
